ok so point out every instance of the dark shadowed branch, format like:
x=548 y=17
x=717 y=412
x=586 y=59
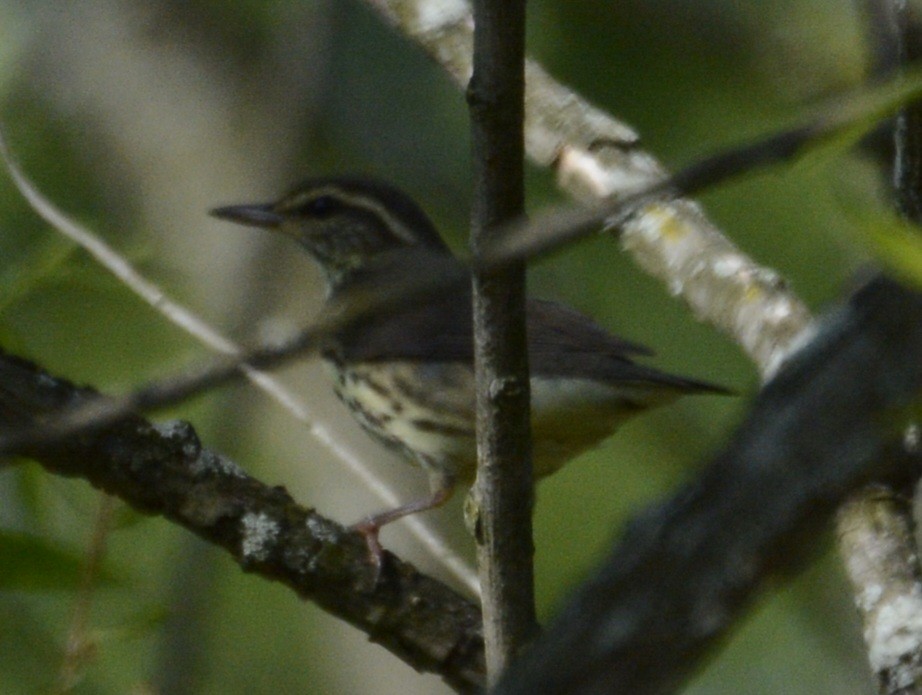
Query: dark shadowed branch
x=830 y=421
x=907 y=161
x=874 y=527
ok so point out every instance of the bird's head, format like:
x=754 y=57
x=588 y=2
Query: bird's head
x=345 y=223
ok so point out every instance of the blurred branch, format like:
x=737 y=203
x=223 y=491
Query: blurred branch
x=409 y=276
x=554 y=228
x=416 y=275
x=503 y=492
x=826 y=424
x=875 y=535
x=163 y=469
x=907 y=161
x=598 y=157
x=874 y=528
x=880 y=25
x=422 y=274
x=80 y=648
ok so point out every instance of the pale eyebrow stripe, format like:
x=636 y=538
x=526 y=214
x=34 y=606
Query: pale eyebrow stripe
x=368 y=203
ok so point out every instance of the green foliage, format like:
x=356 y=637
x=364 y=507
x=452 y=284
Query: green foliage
x=897 y=245
x=32 y=563
x=45 y=263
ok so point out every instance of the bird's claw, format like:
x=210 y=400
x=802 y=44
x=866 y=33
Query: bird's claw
x=370 y=530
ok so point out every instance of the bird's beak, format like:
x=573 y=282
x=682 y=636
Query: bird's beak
x=251 y=215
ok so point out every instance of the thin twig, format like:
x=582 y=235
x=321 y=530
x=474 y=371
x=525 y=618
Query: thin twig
x=80 y=648
x=503 y=493
x=557 y=227
x=434 y=272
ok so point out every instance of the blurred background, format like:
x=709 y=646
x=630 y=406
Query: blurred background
x=137 y=117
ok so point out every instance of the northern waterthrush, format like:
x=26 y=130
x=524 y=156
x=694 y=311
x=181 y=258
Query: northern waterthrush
x=408 y=377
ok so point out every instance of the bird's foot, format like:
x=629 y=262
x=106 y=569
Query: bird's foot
x=370 y=529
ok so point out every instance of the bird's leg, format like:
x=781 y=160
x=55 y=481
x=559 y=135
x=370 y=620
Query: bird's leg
x=441 y=488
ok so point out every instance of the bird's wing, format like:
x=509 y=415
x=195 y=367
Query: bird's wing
x=564 y=343
x=437 y=329
x=561 y=343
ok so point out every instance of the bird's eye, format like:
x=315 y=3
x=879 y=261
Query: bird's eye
x=321 y=206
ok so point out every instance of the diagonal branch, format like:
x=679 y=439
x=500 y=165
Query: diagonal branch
x=163 y=469
x=422 y=274
x=828 y=423
x=408 y=276
x=596 y=157
x=210 y=337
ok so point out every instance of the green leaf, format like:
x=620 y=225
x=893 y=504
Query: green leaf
x=896 y=244
x=125 y=517
x=43 y=263
x=32 y=563
x=839 y=126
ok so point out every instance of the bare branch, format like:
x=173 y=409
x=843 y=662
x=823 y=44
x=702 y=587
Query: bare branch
x=79 y=648
x=875 y=540
x=598 y=157
x=503 y=493
x=163 y=469
x=433 y=273
x=907 y=161
x=877 y=546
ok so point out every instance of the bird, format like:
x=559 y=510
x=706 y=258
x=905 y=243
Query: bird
x=407 y=375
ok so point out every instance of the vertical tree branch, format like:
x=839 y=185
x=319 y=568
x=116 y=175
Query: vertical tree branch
x=79 y=649
x=874 y=527
x=503 y=492
x=874 y=530
x=907 y=162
